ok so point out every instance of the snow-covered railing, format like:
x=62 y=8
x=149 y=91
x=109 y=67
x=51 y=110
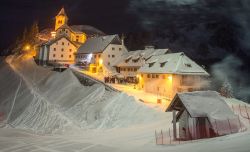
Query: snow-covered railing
x=185 y=135
x=242 y=110
x=83 y=75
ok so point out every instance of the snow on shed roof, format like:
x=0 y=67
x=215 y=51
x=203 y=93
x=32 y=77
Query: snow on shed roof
x=203 y=104
x=175 y=63
x=97 y=44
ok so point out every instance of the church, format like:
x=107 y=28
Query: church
x=60 y=44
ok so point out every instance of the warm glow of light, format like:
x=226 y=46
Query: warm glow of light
x=100 y=61
x=27 y=47
x=170 y=78
x=53 y=34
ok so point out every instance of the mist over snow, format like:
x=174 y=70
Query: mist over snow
x=230 y=70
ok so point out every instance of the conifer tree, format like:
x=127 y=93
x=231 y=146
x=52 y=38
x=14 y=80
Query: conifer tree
x=226 y=89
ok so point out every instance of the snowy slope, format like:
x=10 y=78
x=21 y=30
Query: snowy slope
x=47 y=102
x=38 y=103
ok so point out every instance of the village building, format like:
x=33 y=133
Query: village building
x=60 y=44
x=202 y=114
x=170 y=73
x=57 y=51
x=100 y=53
x=130 y=62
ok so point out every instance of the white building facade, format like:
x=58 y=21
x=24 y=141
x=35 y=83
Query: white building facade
x=58 y=51
x=100 y=53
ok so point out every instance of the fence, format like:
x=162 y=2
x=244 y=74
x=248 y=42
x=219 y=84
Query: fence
x=193 y=132
x=242 y=110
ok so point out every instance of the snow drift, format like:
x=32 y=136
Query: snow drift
x=38 y=99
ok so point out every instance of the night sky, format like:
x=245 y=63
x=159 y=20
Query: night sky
x=201 y=28
x=109 y=16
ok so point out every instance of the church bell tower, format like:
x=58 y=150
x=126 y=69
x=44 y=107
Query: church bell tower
x=61 y=19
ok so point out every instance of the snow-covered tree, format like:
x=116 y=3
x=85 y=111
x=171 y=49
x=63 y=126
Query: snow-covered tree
x=226 y=89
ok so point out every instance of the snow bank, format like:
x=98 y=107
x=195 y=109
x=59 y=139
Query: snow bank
x=38 y=99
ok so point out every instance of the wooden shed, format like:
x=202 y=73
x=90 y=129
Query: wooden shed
x=202 y=114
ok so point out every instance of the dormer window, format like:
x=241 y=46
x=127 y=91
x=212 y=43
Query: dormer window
x=151 y=64
x=188 y=65
x=162 y=64
x=136 y=60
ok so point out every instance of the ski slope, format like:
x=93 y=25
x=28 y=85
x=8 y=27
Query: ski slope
x=53 y=112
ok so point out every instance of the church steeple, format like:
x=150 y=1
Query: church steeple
x=61 y=19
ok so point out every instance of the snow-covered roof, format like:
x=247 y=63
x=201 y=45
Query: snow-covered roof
x=128 y=58
x=62 y=13
x=202 y=104
x=89 y=30
x=52 y=41
x=173 y=63
x=98 y=44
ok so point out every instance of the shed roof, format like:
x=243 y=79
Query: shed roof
x=202 y=104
